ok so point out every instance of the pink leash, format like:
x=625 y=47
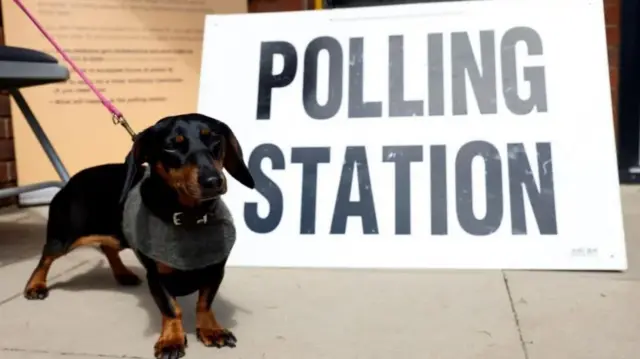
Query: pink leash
x=118 y=118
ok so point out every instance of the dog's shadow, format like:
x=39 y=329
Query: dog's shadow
x=100 y=277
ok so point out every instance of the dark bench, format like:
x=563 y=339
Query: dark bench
x=20 y=68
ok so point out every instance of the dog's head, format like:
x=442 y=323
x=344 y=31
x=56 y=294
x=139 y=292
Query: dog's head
x=189 y=152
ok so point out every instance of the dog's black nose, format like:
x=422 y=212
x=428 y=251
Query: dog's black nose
x=212 y=182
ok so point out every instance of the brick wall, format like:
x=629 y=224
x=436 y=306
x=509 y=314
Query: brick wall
x=612 y=21
x=7 y=158
x=275 y=5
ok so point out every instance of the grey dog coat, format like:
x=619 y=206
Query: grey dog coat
x=182 y=248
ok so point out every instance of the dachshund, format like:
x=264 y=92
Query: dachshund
x=172 y=217
x=176 y=222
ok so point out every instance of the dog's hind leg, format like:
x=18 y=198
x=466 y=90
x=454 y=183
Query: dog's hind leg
x=122 y=274
x=36 y=287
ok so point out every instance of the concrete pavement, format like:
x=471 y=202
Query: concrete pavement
x=333 y=314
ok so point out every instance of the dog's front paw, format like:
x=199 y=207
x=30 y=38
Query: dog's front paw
x=216 y=337
x=36 y=292
x=170 y=347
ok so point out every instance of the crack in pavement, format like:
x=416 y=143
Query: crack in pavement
x=70 y=354
x=523 y=344
x=63 y=353
x=74 y=267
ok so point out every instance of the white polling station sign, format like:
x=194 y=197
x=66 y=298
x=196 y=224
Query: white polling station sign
x=449 y=135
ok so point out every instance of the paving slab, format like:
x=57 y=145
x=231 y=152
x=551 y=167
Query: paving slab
x=280 y=314
x=329 y=313
x=22 y=234
x=577 y=317
x=583 y=315
x=23 y=354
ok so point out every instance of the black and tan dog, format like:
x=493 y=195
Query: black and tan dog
x=169 y=212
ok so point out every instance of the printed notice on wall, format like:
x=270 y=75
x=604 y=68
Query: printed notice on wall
x=144 y=55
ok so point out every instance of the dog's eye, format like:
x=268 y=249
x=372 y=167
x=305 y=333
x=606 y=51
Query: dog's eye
x=169 y=147
x=174 y=143
x=211 y=140
x=205 y=132
x=216 y=148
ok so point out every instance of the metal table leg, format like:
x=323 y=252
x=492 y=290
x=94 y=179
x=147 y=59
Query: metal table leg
x=46 y=146
x=14 y=191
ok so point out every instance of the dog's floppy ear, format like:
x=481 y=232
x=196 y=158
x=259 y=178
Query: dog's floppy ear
x=233 y=158
x=134 y=160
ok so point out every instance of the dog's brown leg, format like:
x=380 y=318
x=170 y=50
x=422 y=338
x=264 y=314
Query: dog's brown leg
x=173 y=339
x=208 y=330
x=123 y=275
x=36 y=287
x=106 y=241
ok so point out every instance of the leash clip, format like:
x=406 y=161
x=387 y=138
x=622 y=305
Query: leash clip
x=120 y=120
